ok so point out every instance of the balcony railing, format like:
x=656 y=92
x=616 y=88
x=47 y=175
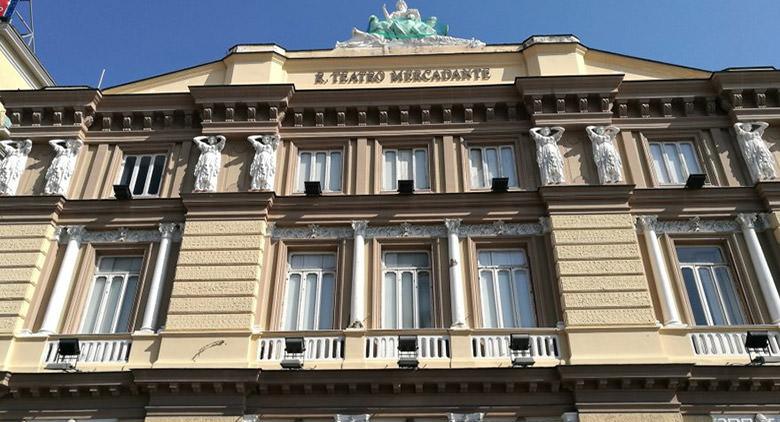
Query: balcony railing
x=386 y=347
x=730 y=344
x=544 y=346
x=317 y=348
x=94 y=351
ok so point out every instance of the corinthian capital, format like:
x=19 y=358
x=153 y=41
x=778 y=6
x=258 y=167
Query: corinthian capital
x=453 y=225
x=747 y=220
x=359 y=226
x=167 y=229
x=646 y=223
x=74 y=233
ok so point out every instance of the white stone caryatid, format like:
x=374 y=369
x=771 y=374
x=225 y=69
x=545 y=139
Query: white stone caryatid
x=59 y=293
x=358 y=317
x=62 y=165
x=605 y=154
x=12 y=163
x=765 y=280
x=671 y=313
x=263 y=169
x=456 y=273
x=152 y=309
x=465 y=417
x=209 y=162
x=759 y=159
x=548 y=155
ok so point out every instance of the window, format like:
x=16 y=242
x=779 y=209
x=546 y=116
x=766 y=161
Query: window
x=112 y=296
x=321 y=166
x=405 y=164
x=505 y=285
x=311 y=284
x=709 y=285
x=674 y=161
x=406 y=290
x=143 y=173
x=487 y=163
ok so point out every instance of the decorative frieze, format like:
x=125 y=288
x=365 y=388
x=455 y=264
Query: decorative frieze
x=699 y=225
x=120 y=235
x=407 y=230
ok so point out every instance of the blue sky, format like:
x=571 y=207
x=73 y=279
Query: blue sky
x=138 y=39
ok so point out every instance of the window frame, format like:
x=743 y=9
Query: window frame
x=302 y=291
x=299 y=187
x=413 y=149
x=730 y=266
x=134 y=175
x=494 y=269
x=398 y=288
x=101 y=310
x=497 y=146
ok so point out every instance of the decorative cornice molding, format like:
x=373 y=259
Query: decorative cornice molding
x=407 y=230
x=121 y=235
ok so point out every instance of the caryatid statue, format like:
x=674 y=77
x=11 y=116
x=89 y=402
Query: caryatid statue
x=12 y=163
x=209 y=162
x=759 y=159
x=62 y=165
x=263 y=169
x=548 y=155
x=608 y=163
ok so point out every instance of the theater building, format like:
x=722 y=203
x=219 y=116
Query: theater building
x=540 y=231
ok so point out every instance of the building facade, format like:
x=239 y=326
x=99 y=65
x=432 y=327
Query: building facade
x=167 y=225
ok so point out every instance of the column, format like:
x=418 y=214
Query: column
x=59 y=294
x=149 y=324
x=359 y=275
x=765 y=280
x=664 y=285
x=456 y=275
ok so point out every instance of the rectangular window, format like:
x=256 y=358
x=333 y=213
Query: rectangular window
x=505 y=285
x=674 y=161
x=143 y=173
x=486 y=163
x=405 y=164
x=406 y=290
x=709 y=285
x=311 y=290
x=322 y=166
x=112 y=296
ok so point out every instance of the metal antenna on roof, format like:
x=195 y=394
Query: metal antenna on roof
x=25 y=23
x=100 y=81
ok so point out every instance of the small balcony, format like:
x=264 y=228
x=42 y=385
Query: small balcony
x=731 y=344
x=93 y=350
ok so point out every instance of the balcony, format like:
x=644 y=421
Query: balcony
x=730 y=344
x=94 y=350
x=437 y=348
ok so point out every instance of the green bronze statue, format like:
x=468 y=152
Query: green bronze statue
x=404 y=27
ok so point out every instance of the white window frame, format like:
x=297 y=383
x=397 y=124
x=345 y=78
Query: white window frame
x=134 y=175
x=398 y=289
x=324 y=184
x=487 y=182
x=101 y=311
x=302 y=272
x=668 y=163
x=494 y=269
x=414 y=168
x=711 y=267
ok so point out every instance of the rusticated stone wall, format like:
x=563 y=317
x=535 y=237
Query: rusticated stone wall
x=217 y=276
x=602 y=280
x=23 y=249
